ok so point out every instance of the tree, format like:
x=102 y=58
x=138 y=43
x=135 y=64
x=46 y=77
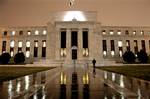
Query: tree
x=142 y=56
x=4 y=58
x=19 y=58
x=129 y=57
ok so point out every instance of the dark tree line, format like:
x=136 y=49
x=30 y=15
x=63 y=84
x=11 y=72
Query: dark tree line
x=129 y=57
x=18 y=58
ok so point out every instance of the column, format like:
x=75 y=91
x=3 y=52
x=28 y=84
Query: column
x=68 y=44
x=147 y=46
x=80 y=45
x=132 y=45
x=39 y=48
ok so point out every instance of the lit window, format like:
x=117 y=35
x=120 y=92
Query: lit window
x=120 y=53
x=44 y=44
x=134 y=32
x=63 y=52
x=28 y=44
x=27 y=54
x=29 y=32
x=111 y=32
x=85 y=52
x=13 y=32
x=119 y=32
x=103 y=32
x=44 y=32
x=142 y=32
x=12 y=43
x=36 y=32
x=36 y=44
x=119 y=43
x=20 y=44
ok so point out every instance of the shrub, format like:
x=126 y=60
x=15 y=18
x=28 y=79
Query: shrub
x=19 y=58
x=129 y=57
x=142 y=56
x=4 y=58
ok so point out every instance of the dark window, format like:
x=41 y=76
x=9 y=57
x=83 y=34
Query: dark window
x=35 y=48
x=112 y=43
x=19 y=49
x=143 y=45
x=20 y=32
x=63 y=39
x=44 y=48
x=135 y=46
x=126 y=32
x=85 y=39
x=74 y=38
x=5 y=33
x=104 y=45
x=3 y=46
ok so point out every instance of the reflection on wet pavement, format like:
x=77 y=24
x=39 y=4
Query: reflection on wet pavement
x=75 y=83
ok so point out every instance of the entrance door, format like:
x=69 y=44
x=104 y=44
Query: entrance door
x=74 y=54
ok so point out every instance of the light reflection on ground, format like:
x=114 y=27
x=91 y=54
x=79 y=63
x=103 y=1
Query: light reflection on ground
x=67 y=83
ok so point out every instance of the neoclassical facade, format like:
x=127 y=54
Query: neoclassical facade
x=67 y=40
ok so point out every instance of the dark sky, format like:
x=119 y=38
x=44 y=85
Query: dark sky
x=110 y=12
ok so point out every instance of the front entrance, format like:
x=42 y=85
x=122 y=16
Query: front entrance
x=74 y=54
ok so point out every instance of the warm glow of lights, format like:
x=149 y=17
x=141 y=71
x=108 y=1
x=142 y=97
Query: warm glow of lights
x=27 y=82
x=105 y=75
x=28 y=44
x=27 y=54
x=63 y=78
x=85 y=52
x=119 y=43
x=11 y=53
x=86 y=78
x=121 y=81
x=63 y=52
x=18 y=86
x=12 y=43
x=44 y=32
x=20 y=44
x=104 y=53
x=113 y=76
x=74 y=15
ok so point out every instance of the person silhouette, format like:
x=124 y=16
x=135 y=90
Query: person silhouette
x=94 y=62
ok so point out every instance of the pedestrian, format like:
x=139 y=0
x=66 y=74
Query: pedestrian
x=94 y=62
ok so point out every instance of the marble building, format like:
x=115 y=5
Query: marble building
x=74 y=35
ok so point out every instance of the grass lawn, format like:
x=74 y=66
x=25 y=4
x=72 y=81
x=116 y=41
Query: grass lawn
x=8 y=73
x=142 y=72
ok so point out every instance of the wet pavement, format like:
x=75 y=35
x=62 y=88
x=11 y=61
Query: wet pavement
x=75 y=82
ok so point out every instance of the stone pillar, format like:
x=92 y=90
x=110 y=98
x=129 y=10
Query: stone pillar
x=108 y=48
x=124 y=47
x=147 y=46
x=68 y=45
x=39 y=48
x=139 y=45
x=132 y=45
x=57 y=42
x=80 y=45
x=116 y=48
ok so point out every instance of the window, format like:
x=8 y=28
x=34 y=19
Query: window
x=112 y=43
x=27 y=54
x=35 y=48
x=20 y=46
x=29 y=32
x=128 y=45
x=13 y=33
x=142 y=32
x=44 y=48
x=20 y=32
x=143 y=45
x=104 y=47
x=28 y=44
x=63 y=39
x=44 y=32
x=5 y=33
x=103 y=32
x=134 y=32
x=126 y=32
x=85 y=39
x=12 y=43
x=119 y=32
x=135 y=46
x=4 y=47
x=120 y=48
x=111 y=32
x=36 y=32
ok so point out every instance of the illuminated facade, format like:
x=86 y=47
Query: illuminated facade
x=74 y=35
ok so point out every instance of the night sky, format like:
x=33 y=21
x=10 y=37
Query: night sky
x=110 y=12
